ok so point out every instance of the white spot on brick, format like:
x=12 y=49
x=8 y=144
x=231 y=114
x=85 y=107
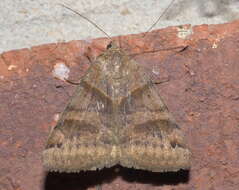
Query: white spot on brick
x=184 y=32
x=56 y=117
x=11 y=67
x=214 y=45
x=61 y=71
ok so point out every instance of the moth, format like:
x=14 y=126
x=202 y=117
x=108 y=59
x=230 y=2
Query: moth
x=116 y=116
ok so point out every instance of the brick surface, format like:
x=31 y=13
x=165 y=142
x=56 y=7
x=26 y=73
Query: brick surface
x=202 y=94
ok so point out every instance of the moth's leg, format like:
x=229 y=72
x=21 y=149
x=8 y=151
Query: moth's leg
x=160 y=81
x=72 y=82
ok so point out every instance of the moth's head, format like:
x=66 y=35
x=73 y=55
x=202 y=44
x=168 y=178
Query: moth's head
x=113 y=61
x=112 y=46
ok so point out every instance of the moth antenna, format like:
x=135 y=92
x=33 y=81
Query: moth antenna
x=182 y=48
x=164 y=12
x=94 y=24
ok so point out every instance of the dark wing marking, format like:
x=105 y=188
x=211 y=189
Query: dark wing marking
x=152 y=140
x=81 y=139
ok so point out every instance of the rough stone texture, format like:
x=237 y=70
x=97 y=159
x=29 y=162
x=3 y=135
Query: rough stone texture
x=202 y=94
x=26 y=23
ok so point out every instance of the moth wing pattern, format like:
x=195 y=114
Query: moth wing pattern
x=80 y=140
x=116 y=117
x=153 y=140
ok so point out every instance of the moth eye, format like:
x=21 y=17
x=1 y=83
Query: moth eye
x=109 y=45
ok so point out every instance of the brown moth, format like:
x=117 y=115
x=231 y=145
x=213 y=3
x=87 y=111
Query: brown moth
x=115 y=117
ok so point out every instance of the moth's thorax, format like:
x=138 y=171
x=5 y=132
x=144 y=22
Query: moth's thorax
x=114 y=66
